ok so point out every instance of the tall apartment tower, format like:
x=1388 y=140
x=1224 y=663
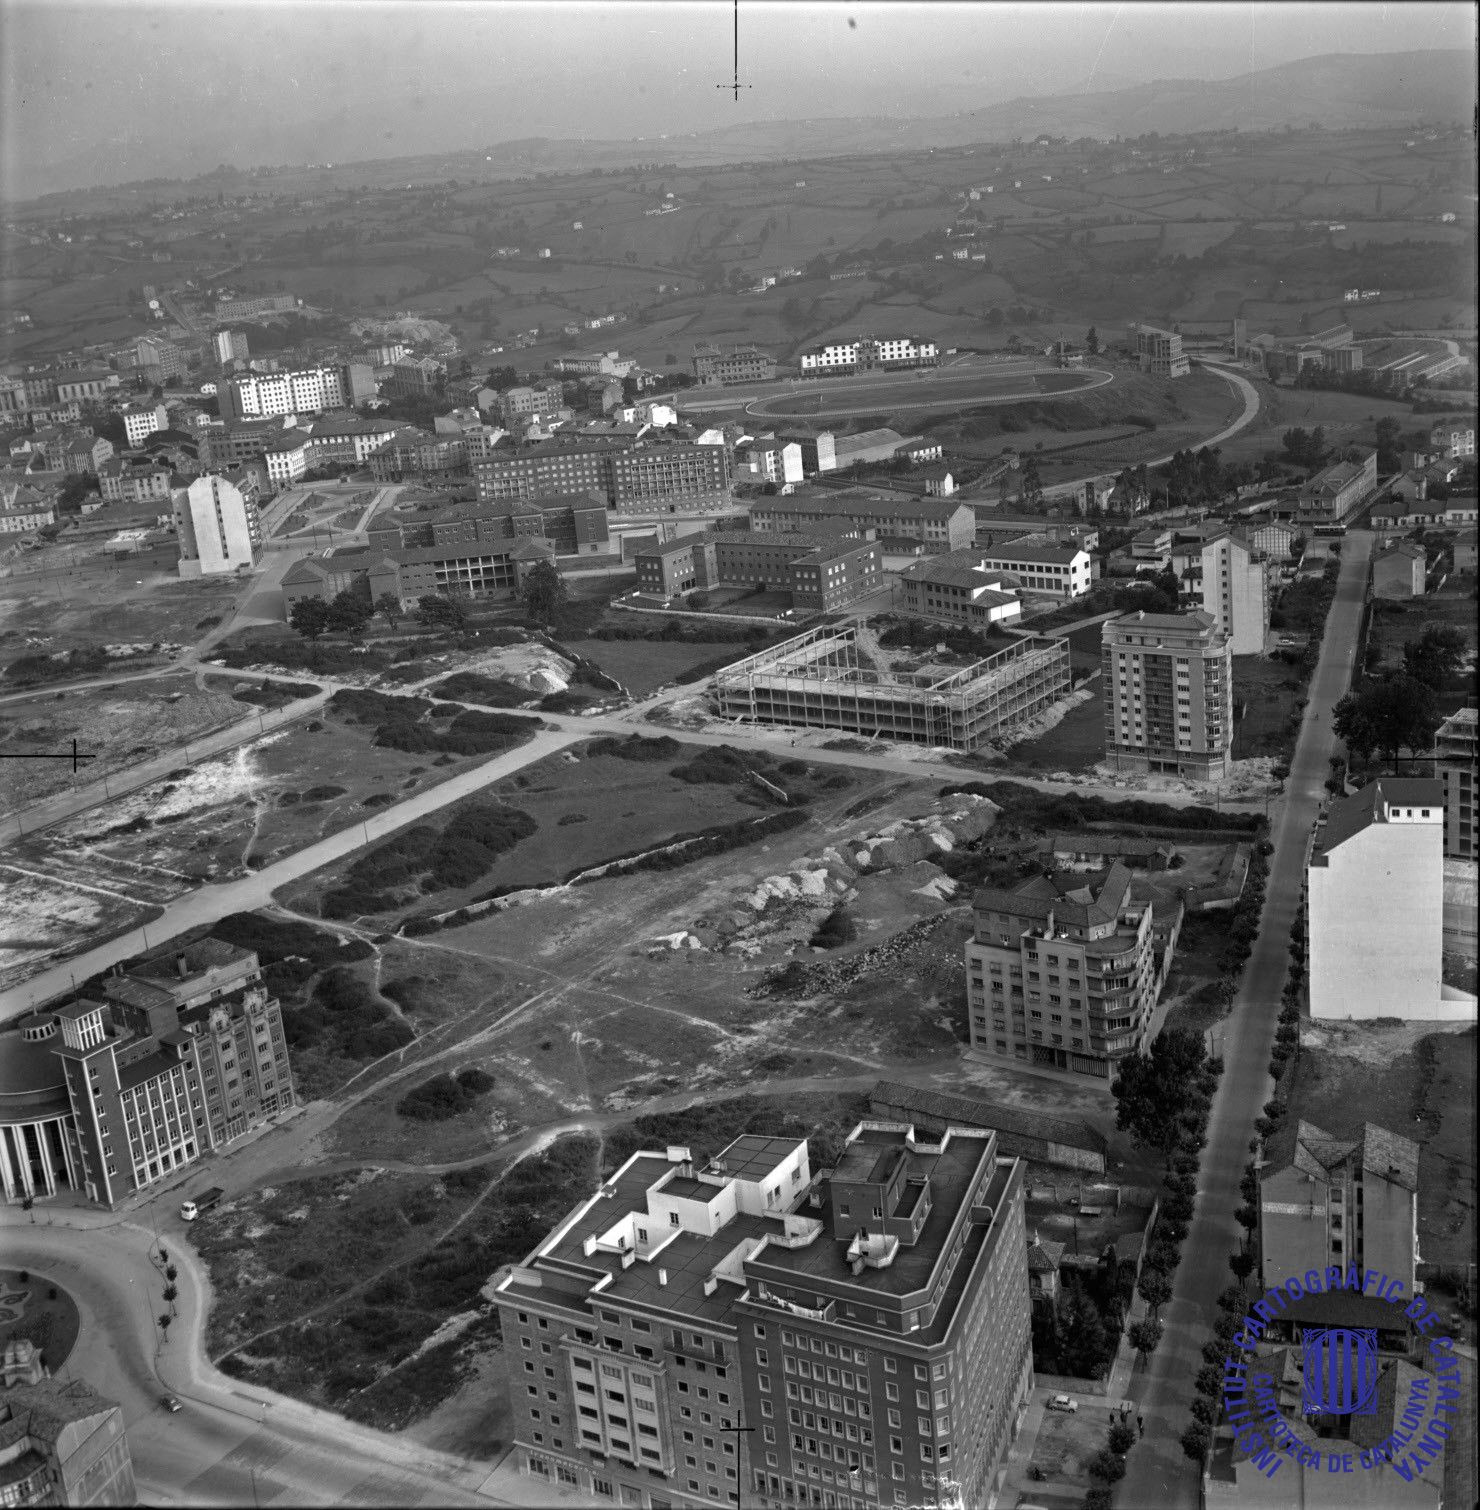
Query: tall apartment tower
x=1457 y=765
x=1235 y=592
x=689 y=1335
x=1061 y=971
x=264 y=395
x=1168 y=694
x=217 y=527
x=1374 y=903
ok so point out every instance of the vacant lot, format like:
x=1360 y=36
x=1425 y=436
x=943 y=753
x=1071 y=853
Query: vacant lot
x=642 y=666
x=91 y=608
x=1075 y=743
x=113 y=726
x=1395 y=623
x=1266 y=695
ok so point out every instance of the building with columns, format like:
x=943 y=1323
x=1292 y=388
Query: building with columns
x=182 y=1056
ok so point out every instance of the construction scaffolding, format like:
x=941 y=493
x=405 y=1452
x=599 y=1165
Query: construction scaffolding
x=819 y=680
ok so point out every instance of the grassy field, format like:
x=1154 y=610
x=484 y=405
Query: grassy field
x=642 y=666
x=1075 y=743
x=1393 y=623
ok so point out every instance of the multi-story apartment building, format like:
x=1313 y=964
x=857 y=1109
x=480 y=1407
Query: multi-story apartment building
x=157 y=1078
x=1341 y=1201
x=262 y=395
x=765 y=456
x=868 y=354
x=1062 y=970
x=159 y=359
x=416 y=377
x=132 y=479
x=1274 y=538
x=939 y=524
x=819 y=452
x=574 y=524
x=411 y=451
x=223 y=446
x=1452 y=441
x=1401 y=571
x=1168 y=694
x=821 y=572
x=1235 y=591
x=1335 y=495
x=142 y=420
x=85 y=453
x=1159 y=352
x=1374 y=902
x=214 y=992
x=694 y=1335
x=542 y=470
x=741 y=364
x=1457 y=765
x=263 y=304
x=669 y=479
x=62 y=1443
x=1059 y=568
x=23 y=509
x=217 y=527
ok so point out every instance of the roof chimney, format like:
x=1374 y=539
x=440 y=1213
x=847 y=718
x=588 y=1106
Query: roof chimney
x=181 y=967
x=662 y=1276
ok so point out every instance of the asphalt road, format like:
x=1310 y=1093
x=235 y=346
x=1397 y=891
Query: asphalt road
x=230 y=1444
x=1159 y=1473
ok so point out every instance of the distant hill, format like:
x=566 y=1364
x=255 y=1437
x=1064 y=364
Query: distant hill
x=1339 y=91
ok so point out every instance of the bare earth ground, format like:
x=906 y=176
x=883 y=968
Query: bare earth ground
x=114 y=726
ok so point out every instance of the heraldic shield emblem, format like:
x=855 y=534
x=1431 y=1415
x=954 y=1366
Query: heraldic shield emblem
x=1340 y=1371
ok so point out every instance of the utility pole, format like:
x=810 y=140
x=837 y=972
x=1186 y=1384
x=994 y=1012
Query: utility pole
x=738 y=1429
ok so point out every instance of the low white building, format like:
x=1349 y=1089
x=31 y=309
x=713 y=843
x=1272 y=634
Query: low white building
x=142 y=421
x=1375 y=906
x=217 y=527
x=1062 y=569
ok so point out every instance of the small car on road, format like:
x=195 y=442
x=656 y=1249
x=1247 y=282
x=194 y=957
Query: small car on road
x=1065 y=1403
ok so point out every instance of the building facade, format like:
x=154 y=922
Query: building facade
x=682 y=1304
x=1159 y=352
x=958 y=589
x=1235 y=592
x=1400 y=571
x=133 y=479
x=1059 y=569
x=1341 y=1201
x=741 y=364
x=1457 y=765
x=939 y=524
x=1374 y=903
x=262 y=395
x=868 y=354
x=1062 y=971
x=1336 y=494
x=1168 y=694
x=217 y=527
x=62 y=1443
x=142 y=421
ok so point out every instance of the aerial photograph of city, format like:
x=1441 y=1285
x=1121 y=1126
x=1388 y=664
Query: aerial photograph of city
x=738 y=754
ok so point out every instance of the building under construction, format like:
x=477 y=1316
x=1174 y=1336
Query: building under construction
x=819 y=680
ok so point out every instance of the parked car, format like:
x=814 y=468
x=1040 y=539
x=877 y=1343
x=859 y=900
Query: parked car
x=170 y=1403
x=1065 y=1403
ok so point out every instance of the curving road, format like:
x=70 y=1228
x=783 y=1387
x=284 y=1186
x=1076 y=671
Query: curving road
x=231 y=1444
x=1159 y=1473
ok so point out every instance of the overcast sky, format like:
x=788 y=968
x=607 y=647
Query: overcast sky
x=96 y=90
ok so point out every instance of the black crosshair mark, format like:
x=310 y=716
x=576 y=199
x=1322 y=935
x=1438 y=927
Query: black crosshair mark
x=736 y=85
x=74 y=757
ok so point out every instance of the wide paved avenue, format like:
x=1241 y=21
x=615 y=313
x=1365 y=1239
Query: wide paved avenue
x=1159 y=1474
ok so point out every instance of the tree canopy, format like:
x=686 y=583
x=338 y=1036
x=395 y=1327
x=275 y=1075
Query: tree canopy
x=1154 y=1091
x=310 y=617
x=544 y=591
x=1384 y=716
x=1436 y=655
